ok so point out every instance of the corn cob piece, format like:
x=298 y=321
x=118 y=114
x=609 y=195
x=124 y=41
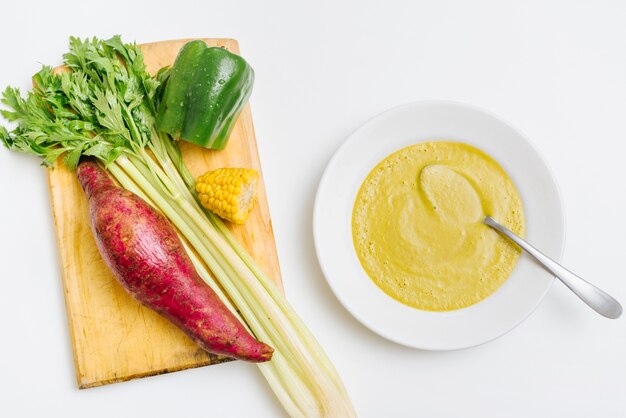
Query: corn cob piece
x=230 y=193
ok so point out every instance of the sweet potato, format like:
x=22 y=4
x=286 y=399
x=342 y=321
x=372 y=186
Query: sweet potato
x=148 y=259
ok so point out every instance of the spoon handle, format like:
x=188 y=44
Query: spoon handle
x=597 y=299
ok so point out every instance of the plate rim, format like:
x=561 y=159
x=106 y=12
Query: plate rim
x=435 y=102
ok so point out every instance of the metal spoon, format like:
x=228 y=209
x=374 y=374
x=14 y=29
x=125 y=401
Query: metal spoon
x=597 y=299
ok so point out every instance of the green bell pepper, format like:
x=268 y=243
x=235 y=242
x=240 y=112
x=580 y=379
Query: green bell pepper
x=204 y=93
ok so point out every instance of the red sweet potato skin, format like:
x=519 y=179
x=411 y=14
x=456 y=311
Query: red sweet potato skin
x=147 y=257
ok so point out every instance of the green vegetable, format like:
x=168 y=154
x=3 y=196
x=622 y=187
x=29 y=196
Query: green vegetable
x=105 y=107
x=204 y=94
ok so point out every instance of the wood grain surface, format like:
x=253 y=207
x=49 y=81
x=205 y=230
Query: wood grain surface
x=114 y=337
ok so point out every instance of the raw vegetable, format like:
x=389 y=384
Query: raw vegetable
x=104 y=107
x=230 y=193
x=205 y=92
x=148 y=259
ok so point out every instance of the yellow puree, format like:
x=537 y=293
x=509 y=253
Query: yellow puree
x=417 y=225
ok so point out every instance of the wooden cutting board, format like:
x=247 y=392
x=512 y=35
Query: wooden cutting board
x=114 y=337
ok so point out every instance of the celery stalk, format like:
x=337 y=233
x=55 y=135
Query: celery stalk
x=105 y=108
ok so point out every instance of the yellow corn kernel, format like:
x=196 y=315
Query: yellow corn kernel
x=230 y=193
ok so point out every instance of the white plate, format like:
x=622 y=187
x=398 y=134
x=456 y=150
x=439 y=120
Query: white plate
x=411 y=124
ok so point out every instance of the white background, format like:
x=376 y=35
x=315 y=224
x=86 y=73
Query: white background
x=556 y=69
